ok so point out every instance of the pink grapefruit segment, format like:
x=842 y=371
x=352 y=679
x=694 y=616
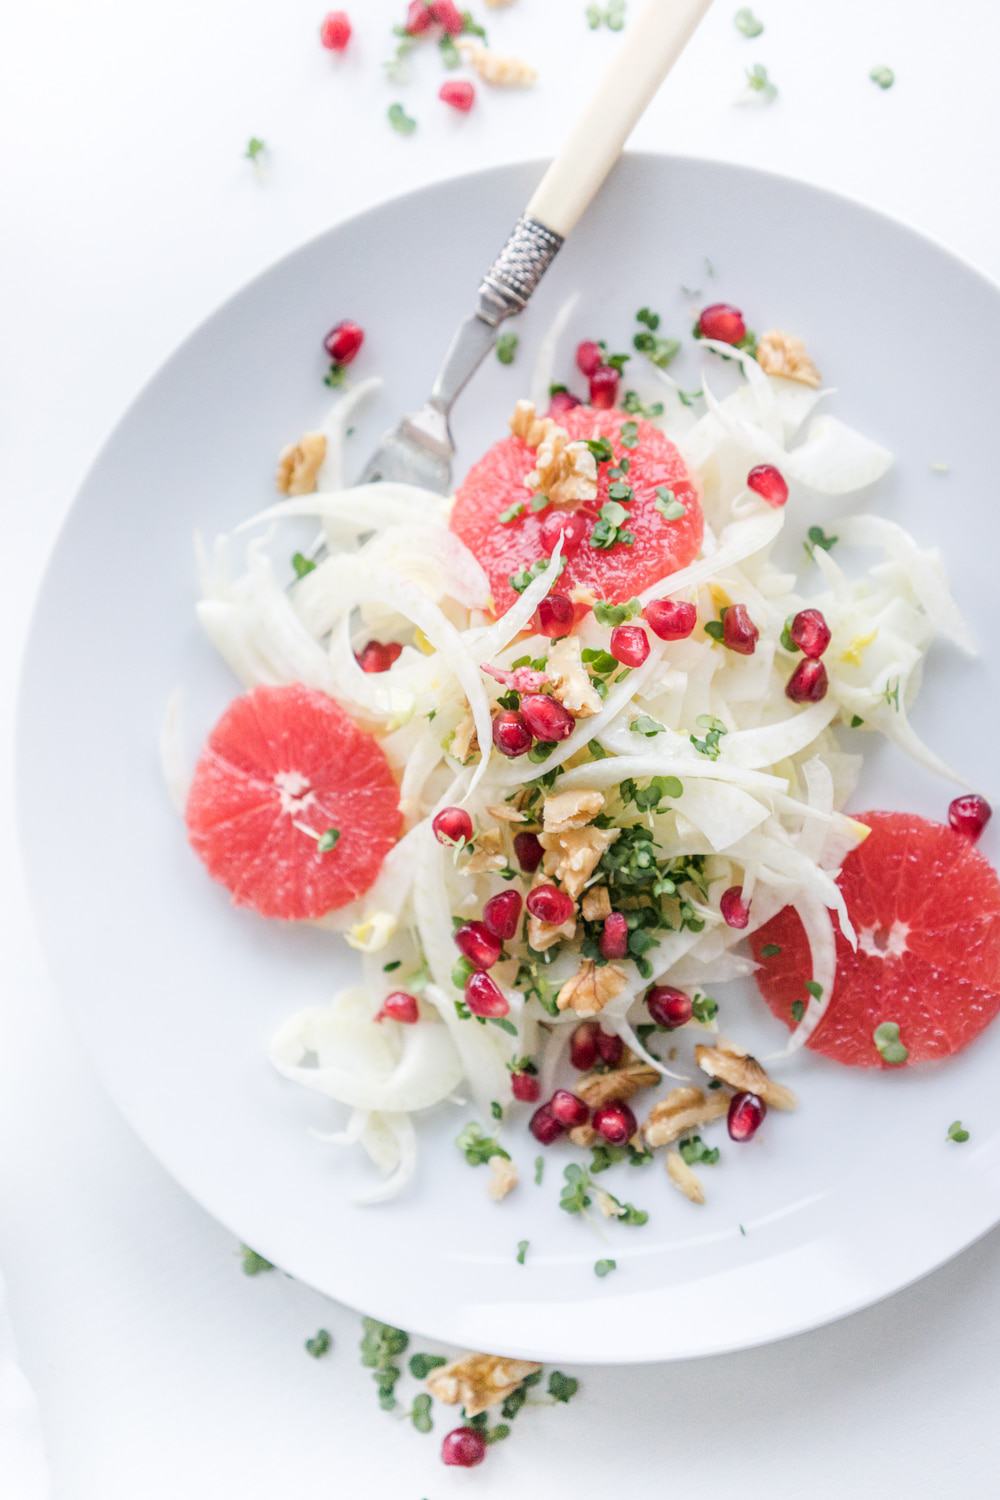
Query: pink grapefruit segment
x=661 y=546
x=926 y=907
x=282 y=767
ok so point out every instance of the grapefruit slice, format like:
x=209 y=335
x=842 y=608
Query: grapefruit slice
x=926 y=907
x=283 y=768
x=661 y=545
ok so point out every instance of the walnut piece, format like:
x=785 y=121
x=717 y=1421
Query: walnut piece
x=544 y=935
x=682 y=1110
x=591 y=988
x=488 y=853
x=743 y=1073
x=464 y=740
x=683 y=1178
x=565 y=471
x=572 y=856
x=299 y=464
x=596 y=903
x=505 y=813
x=569 y=679
x=783 y=354
x=584 y=1135
x=492 y=67
x=618 y=1083
x=479 y=1381
x=503 y=1177
x=572 y=809
x=532 y=429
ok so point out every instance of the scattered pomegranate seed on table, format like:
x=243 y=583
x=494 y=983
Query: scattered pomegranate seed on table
x=723 y=322
x=524 y=1086
x=502 y=912
x=511 y=734
x=451 y=825
x=335 y=32
x=810 y=632
x=554 y=616
x=418 y=18
x=343 y=341
x=448 y=15
x=459 y=93
x=604 y=387
x=546 y=717
x=378 y=657
x=463 y=1448
x=668 y=1007
x=544 y=1126
x=769 y=483
x=570 y=527
x=808 y=683
x=480 y=946
x=629 y=645
x=528 y=851
x=735 y=911
x=550 y=905
x=739 y=632
x=670 y=619
x=399 y=1006
x=746 y=1115
x=614 y=938
x=969 y=814
x=562 y=401
x=616 y=1122
x=484 y=997
x=569 y=1109
x=588 y=357
x=583 y=1046
x=609 y=1047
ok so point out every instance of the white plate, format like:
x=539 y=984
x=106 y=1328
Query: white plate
x=177 y=993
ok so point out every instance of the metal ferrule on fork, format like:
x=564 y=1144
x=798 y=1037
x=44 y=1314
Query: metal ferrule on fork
x=517 y=270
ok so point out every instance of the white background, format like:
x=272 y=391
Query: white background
x=128 y=214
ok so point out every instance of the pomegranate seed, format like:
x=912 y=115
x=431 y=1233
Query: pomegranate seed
x=739 y=632
x=569 y=1109
x=501 y=913
x=459 y=94
x=969 y=814
x=746 y=1115
x=511 y=734
x=546 y=717
x=604 y=386
x=571 y=526
x=335 y=32
x=583 y=1045
x=554 y=616
x=615 y=1121
x=670 y=619
x=378 y=656
x=769 y=483
x=343 y=341
x=418 y=18
x=544 y=1126
x=483 y=997
x=447 y=14
x=614 y=938
x=629 y=645
x=808 y=683
x=735 y=911
x=480 y=946
x=399 y=1006
x=463 y=1448
x=549 y=904
x=524 y=1087
x=723 y=322
x=810 y=632
x=562 y=402
x=588 y=357
x=528 y=851
x=610 y=1047
x=668 y=1007
x=451 y=825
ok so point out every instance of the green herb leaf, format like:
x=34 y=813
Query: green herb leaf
x=604 y=1267
x=496 y=1110
x=629 y=435
x=253 y=1264
x=477 y=1147
x=319 y=1344
x=520 y=581
x=562 y=1387
x=539 y=1170
x=645 y=725
x=328 y=840
x=507 y=348
x=511 y=513
x=616 y=614
x=522 y=1250
x=957 y=1132
x=694 y=1150
x=421 y=1365
x=760 y=84
x=704 y=1008
x=714 y=730
x=302 y=564
x=400 y=121
x=575 y=1195
x=816 y=990
x=797 y=1009
x=817 y=537
x=254 y=148
x=770 y=950
x=746 y=22
x=601 y=449
x=668 y=505
x=420 y=1412
x=890 y=1048
x=659 y=351
x=884 y=77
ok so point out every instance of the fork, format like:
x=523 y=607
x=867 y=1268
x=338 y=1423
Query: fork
x=419 y=451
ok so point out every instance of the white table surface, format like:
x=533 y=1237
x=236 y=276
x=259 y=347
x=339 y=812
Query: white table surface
x=162 y=1371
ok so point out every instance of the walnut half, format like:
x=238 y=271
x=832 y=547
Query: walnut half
x=618 y=1083
x=745 y=1074
x=783 y=354
x=683 y=1179
x=591 y=988
x=682 y=1110
x=479 y=1381
x=300 y=463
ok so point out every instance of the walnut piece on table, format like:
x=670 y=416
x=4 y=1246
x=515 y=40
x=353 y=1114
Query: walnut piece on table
x=503 y=1177
x=783 y=354
x=680 y=1111
x=493 y=67
x=591 y=988
x=300 y=463
x=616 y=1083
x=479 y=1381
x=683 y=1179
x=743 y=1073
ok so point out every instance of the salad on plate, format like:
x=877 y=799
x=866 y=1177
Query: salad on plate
x=562 y=754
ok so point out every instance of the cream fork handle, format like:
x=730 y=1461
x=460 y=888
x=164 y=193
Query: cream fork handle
x=651 y=45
